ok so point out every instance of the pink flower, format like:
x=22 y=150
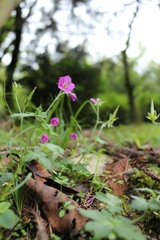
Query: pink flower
x=73 y=136
x=95 y=100
x=65 y=84
x=54 y=121
x=44 y=138
x=90 y=201
x=73 y=97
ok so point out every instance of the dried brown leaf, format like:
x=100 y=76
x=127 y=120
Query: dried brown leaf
x=50 y=201
x=36 y=168
x=117 y=172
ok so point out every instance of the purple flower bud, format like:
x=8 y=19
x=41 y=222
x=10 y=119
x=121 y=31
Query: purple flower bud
x=73 y=136
x=44 y=138
x=73 y=96
x=54 y=121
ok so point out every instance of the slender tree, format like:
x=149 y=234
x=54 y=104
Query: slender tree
x=127 y=78
x=18 y=29
x=14 y=58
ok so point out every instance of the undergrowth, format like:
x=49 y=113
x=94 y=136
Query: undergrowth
x=45 y=136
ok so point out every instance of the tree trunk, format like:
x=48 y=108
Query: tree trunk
x=12 y=66
x=129 y=86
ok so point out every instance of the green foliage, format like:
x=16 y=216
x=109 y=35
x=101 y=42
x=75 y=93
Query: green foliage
x=5 y=177
x=8 y=218
x=124 y=135
x=142 y=180
x=65 y=206
x=107 y=223
x=152 y=115
x=101 y=80
x=112 y=118
x=39 y=155
x=50 y=147
x=113 y=202
x=141 y=204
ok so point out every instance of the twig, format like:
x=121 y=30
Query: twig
x=145 y=170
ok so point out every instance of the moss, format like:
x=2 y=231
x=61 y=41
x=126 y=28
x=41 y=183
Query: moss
x=142 y=180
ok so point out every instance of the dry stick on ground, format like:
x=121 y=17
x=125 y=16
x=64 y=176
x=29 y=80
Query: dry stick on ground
x=136 y=163
x=137 y=157
x=148 y=155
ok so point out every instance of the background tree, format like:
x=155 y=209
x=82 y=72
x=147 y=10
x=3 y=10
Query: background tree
x=38 y=38
x=18 y=23
x=6 y=7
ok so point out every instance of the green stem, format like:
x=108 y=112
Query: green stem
x=101 y=128
x=56 y=98
x=97 y=121
x=21 y=125
x=80 y=109
x=17 y=102
x=28 y=142
x=156 y=123
x=141 y=218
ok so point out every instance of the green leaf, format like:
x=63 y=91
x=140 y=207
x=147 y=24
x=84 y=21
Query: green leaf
x=22 y=115
x=92 y=214
x=97 y=215
x=70 y=207
x=153 y=114
x=5 y=177
x=4 y=206
x=29 y=98
x=139 y=203
x=151 y=191
x=126 y=230
x=8 y=219
x=21 y=183
x=99 y=140
x=113 y=202
x=100 y=230
x=145 y=190
x=58 y=151
x=41 y=156
x=61 y=213
x=29 y=156
x=112 y=118
x=154 y=204
x=42 y=115
x=67 y=203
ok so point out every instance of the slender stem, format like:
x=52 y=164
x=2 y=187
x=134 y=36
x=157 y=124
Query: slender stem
x=56 y=98
x=21 y=125
x=97 y=163
x=97 y=120
x=80 y=109
x=156 y=123
x=28 y=142
x=141 y=218
x=97 y=112
x=101 y=128
x=17 y=102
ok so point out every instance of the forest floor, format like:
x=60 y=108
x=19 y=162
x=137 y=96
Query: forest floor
x=118 y=177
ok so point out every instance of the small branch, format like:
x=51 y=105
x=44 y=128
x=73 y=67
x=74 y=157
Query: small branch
x=145 y=170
